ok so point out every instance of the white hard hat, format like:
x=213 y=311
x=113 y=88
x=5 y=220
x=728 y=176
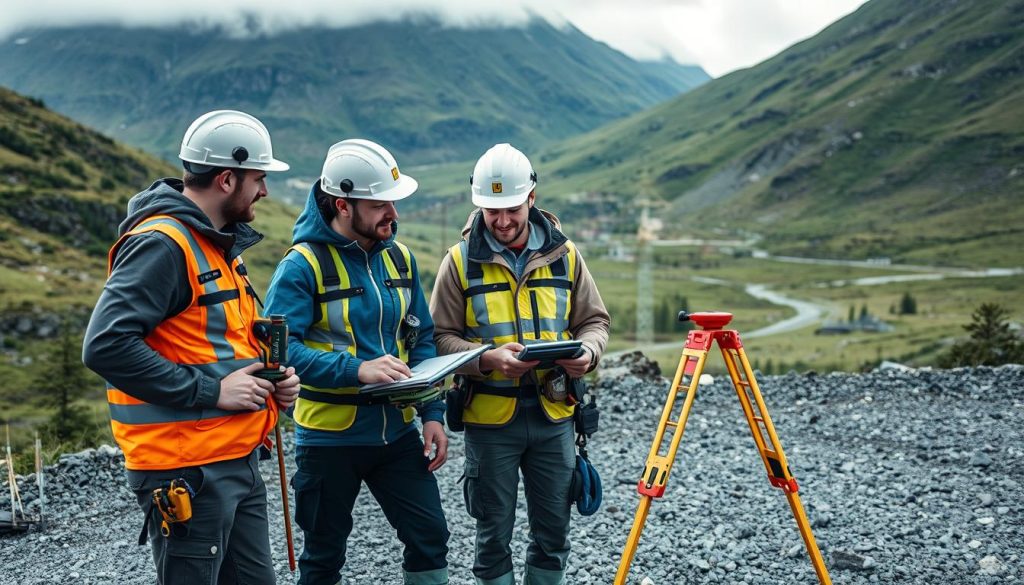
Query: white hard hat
x=228 y=139
x=360 y=169
x=502 y=178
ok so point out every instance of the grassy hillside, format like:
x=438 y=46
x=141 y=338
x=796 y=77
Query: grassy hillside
x=897 y=131
x=427 y=92
x=63 y=191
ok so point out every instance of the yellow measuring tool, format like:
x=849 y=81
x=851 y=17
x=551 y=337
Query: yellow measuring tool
x=691 y=365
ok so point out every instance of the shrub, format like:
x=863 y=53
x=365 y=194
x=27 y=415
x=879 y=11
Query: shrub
x=992 y=342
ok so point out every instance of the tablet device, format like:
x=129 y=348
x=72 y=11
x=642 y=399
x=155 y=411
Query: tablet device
x=426 y=373
x=548 y=351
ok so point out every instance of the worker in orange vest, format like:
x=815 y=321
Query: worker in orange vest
x=172 y=335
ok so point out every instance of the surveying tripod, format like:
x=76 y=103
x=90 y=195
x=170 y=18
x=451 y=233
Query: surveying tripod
x=691 y=365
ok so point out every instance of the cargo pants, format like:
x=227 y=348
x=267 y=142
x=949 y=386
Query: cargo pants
x=545 y=453
x=326 y=486
x=227 y=540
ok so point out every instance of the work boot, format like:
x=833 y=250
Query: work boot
x=506 y=579
x=535 y=576
x=432 y=577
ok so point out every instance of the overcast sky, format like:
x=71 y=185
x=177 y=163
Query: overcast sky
x=719 y=35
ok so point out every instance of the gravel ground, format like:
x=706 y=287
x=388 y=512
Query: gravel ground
x=906 y=476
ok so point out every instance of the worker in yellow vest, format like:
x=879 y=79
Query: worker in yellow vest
x=515 y=278
x=358 y=316
x=172 y=335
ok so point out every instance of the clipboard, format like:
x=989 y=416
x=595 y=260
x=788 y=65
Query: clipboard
x=425 y=374
x=546 y=352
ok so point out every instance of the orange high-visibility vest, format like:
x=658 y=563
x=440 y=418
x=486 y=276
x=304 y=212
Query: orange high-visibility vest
x=214 y=335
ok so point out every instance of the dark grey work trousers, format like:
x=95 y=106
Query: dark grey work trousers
x=545 y=453
x=227 y=540
x=327 y=484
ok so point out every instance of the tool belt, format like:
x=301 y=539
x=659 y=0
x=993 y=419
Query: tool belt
x=346 y=399
x=557 y=386
x=458 y=397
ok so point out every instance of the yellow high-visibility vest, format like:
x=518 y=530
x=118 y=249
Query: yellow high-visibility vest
x=499 y=310
x=334 y=409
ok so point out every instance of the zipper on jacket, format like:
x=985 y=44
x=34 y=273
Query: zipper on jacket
x=519 y=317
x=380 y=336
x=536 y=314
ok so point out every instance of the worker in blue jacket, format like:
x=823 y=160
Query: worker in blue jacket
x=357 y=315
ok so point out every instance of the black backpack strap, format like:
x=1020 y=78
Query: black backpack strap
x=398 y=259
x=331 y=280
x=474 y=270
x=559 y=268
x=327 y=268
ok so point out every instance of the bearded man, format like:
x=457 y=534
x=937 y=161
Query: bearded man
x=172 y=335
x=358 y=316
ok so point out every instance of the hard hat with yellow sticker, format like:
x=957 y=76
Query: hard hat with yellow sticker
x=360 y=169
x=509 y=174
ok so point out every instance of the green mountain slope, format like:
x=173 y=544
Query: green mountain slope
x=63 y=191
x=897 y=131
x=427 y=92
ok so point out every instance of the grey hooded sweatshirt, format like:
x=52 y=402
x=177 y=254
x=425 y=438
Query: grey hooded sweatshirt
x=148 y=283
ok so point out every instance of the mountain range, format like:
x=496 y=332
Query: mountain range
x=898 y=131
x=429 y=93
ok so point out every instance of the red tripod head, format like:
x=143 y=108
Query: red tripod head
x=709 y=320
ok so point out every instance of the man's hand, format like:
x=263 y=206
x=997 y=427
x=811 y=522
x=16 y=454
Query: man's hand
x=286 y=390
x=433 y=435
x=576 y=367
x=386 y=368
x=505 y=361
x=241 y=390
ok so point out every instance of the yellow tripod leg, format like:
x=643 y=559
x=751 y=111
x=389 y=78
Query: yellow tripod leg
x=772 y=456
x=656 y=470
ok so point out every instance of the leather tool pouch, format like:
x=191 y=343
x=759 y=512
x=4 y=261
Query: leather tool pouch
x=555 y=385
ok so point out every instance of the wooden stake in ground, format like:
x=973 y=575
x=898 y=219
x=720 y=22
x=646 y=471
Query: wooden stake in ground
x=15 y=496
x=39 y=482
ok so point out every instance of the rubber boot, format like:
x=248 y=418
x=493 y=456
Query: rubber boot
x=506 y=579
x=535 y=576
x=433 y=577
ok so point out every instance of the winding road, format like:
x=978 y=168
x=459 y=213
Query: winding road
x=809 y=313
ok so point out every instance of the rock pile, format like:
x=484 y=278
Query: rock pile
x=906 y=476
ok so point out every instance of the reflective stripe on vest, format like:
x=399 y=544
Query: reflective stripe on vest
x=213 y=335
x=331 y=329
x=500 y=310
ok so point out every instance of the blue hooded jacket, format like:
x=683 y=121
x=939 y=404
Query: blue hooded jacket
x=291 y=293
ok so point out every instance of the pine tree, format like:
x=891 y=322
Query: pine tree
x=991 y=343
x=62 y=382
x=908 y=305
